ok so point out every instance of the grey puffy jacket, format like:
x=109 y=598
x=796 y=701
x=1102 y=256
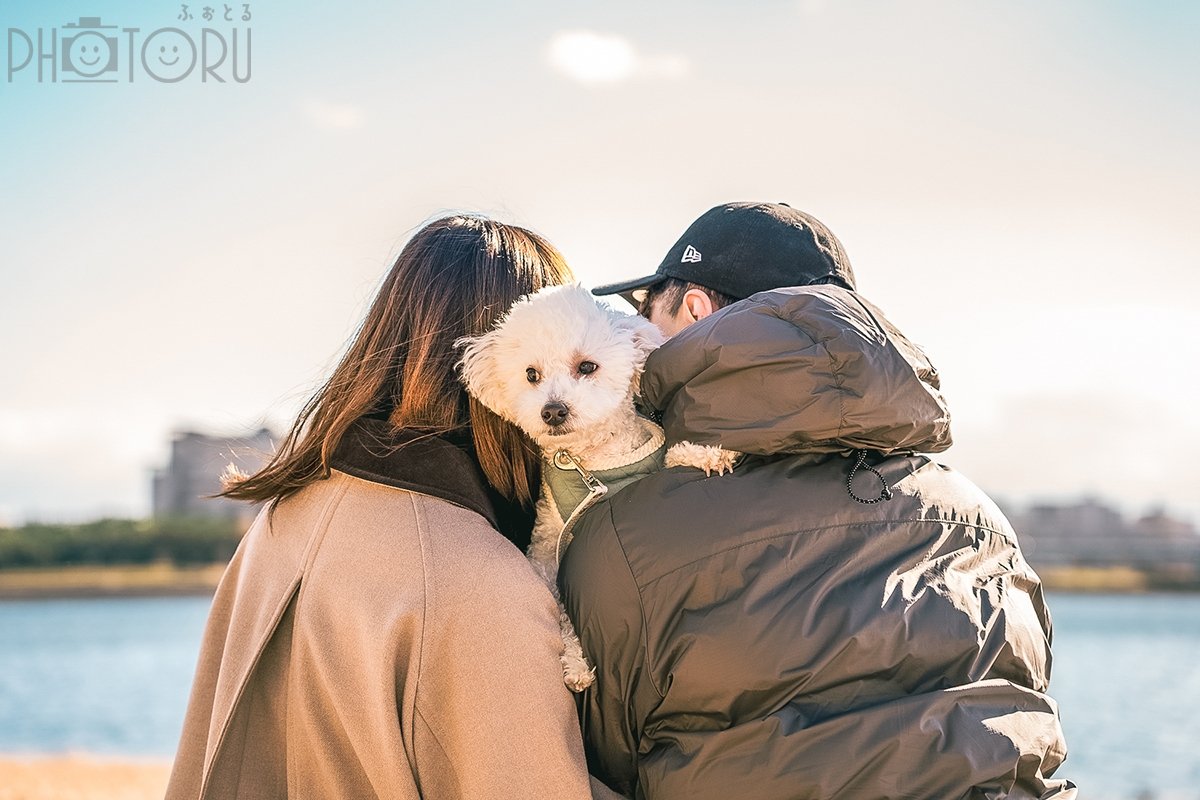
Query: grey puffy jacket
x=763 y=634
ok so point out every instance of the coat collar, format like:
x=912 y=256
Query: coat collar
x=440 y=465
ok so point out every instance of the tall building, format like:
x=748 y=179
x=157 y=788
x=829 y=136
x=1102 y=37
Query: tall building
x=184 y=487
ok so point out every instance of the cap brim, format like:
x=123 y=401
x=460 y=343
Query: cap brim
x=627 y=288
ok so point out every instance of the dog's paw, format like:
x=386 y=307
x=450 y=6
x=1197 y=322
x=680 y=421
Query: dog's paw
x=702 y=456
x=576 y=673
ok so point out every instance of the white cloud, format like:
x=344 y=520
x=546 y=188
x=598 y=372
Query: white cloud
x=603 y=58
x=335 y=116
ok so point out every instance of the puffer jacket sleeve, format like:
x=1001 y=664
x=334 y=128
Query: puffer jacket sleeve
x=598 y=589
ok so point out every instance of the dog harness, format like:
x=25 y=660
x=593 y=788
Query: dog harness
x=574 y=485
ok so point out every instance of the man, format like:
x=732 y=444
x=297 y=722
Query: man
x=839 y=617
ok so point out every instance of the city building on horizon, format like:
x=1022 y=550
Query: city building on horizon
x=1091 y=533
x=1086 y=533
x=184 y=487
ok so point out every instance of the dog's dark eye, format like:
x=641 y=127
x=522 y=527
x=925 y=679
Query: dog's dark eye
x=588 y=367
x=532 y=375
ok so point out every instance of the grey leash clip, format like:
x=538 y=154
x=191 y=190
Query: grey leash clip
x=567 y=462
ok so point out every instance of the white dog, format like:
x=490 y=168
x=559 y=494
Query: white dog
x=565 y=368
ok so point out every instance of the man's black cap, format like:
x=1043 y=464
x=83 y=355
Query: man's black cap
x=739 y=249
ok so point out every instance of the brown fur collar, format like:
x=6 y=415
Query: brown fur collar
x=441 y=465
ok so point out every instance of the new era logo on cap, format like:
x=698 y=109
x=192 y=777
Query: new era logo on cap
x=749 y=248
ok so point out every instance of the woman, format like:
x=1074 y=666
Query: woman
x=374 y=635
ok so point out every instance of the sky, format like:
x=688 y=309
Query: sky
x=1016 y=185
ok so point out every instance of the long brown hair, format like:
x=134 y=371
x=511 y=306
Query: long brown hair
x=455 y=277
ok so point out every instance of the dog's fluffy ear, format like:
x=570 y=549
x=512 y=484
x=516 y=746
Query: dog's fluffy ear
x=646 y=339
x=478 y=368
x=646 y=336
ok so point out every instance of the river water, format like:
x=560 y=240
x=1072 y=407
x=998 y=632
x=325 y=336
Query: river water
x=112 y=676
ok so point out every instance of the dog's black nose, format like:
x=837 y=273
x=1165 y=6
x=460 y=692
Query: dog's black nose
x=555 y=413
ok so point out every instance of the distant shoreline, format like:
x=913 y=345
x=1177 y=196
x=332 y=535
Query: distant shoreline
x=164 y=579
x=1116 y=580
x=91 y=581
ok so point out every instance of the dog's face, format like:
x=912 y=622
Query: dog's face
x=559 y=363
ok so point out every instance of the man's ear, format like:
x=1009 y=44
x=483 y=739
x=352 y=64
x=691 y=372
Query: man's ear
x=698 y=304
x=478 y=368
x=646 y=338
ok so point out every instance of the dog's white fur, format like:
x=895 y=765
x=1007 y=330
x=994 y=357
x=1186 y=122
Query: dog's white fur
x=553 y=332
x=702 y=456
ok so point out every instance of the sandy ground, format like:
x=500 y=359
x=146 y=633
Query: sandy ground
x=81 y=778
x=133 y=580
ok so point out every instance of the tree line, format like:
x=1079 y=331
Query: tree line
x=182 y=541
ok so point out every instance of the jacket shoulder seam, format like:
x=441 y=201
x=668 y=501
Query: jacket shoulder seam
x=867 y=523
x=641 y=608
x=314 y=544
x=417 y=714
x=293 y=596
x=419 y=521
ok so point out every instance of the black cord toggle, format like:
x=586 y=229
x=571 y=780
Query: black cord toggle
x=884 y=494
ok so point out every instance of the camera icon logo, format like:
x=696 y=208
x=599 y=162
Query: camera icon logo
x=90 y=52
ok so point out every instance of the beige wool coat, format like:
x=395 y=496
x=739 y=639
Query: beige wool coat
x=378 y=638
